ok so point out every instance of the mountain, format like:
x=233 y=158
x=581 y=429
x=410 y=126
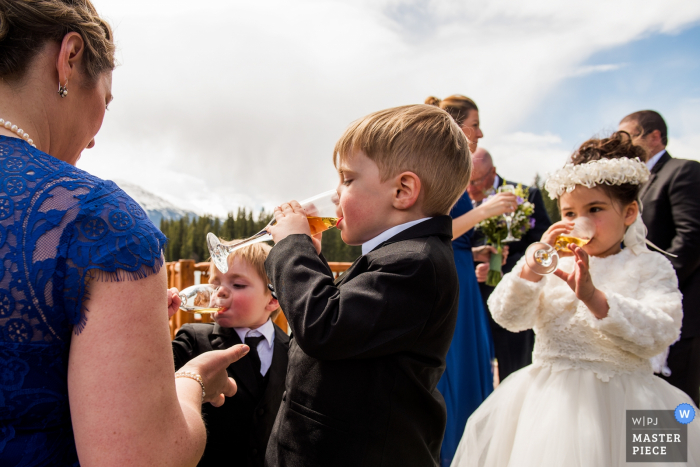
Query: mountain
x=156 y=207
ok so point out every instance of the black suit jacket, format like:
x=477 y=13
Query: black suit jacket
x=671 y=212
x=367 y=351
x=516 y=250
x=239 y=430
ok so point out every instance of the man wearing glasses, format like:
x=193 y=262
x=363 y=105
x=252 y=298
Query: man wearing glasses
x=513 y=349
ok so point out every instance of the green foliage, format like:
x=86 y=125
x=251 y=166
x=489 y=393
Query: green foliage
x=187 y=237
x=335 y=249
x=550 y=204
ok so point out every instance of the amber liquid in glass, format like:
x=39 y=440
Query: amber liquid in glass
x=206 y=310
x=563 y=242
x=321 y=224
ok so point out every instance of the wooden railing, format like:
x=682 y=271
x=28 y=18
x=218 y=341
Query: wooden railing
x=183 y=273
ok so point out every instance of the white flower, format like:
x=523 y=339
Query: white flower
x=590 y=174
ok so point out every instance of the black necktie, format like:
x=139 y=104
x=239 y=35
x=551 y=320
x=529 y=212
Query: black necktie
x=252 y=342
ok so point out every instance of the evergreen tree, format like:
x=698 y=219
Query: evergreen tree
x=187 y=237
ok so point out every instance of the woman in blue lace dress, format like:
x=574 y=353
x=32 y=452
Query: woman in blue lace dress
x=468 y=378
x=86 y=369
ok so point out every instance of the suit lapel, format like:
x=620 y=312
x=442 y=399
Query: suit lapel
x=645 y=187
x=278 y=367
x=654 y=175
x=241 y=370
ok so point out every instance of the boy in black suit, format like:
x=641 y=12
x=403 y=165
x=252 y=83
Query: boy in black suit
x=239 y=430
x=368 y=349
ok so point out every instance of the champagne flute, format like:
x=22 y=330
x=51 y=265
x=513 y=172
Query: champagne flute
x=321 y=212
x=197 y=299
x=508 y=215
x=543 y=259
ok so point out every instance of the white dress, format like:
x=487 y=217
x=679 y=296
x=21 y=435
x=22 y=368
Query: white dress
x=568 y=407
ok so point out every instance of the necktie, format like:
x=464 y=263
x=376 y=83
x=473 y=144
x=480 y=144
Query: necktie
x=252 y=342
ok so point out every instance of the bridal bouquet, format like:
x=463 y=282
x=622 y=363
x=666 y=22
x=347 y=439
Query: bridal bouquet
x=495 y=230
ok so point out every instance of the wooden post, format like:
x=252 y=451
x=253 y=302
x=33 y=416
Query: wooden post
x=203 y=268
x=184 y=277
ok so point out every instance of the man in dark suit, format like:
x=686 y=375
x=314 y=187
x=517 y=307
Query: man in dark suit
x=238 y=431
x=513 y=349
x=671 y=213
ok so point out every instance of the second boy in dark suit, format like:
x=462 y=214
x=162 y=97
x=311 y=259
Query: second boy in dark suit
x=238 y=431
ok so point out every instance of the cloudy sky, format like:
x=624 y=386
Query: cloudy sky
x=227 y=103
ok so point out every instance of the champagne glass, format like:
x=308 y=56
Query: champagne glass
x=542 y=258
x=508 y=215
x=320 y=211
x=198 y=299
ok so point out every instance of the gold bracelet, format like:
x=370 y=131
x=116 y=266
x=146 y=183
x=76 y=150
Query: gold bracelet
x=194 y=376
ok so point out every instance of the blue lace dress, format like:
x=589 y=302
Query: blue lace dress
x=58 y=227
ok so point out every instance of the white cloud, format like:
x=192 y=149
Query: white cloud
x=590 y=69
x=521 y=156
x=685 y=147
x=221 y=103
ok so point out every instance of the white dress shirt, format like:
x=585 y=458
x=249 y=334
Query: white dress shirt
x=387 y=234
x=652 y=162
x=265 y=346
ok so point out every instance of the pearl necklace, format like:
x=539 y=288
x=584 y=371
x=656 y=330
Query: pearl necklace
x=15 y=129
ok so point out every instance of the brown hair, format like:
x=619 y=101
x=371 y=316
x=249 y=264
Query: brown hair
x=617 y=146
x=255 y=255
x=27 y=25
x=457 y=105
x=648 y=121
x=418 y=138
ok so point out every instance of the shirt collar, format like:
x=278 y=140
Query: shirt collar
x=267 y=330
x=387 y=234
x=652 y=162
x=496 y=182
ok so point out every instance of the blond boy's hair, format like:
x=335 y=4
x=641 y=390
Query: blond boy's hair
x=255 y=255
x=422 y=139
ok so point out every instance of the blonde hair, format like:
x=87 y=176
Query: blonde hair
x=255 y=255
x=422 y=139
x=457 y=105
x=27 y=25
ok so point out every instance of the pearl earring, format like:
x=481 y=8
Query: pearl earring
x=62 y=90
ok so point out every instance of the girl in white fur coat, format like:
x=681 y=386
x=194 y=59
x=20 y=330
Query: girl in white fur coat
x=598 y=319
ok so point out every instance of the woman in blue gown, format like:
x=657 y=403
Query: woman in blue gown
x=468 y=376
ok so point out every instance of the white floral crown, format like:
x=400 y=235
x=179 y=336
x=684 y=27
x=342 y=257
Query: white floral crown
x=590 y=174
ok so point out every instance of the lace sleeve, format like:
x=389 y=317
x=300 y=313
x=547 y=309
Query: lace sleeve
x=515 y=301
x=649 y=323
x=111 y=239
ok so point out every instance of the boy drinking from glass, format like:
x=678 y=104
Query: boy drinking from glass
x=239 y=430
x=369 y=348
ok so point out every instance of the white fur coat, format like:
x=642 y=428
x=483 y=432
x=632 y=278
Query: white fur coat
x=644 y=318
